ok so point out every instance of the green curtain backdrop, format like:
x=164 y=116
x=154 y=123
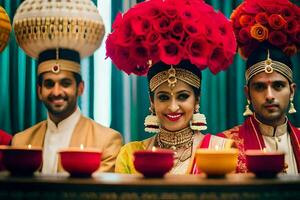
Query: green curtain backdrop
x=222 y=97
x=19 y=105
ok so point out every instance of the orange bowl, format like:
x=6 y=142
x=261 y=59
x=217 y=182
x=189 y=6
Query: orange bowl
x=80 y=162
x=264 y=164
x=22 y=161
x=216 y=162
x=153 y=163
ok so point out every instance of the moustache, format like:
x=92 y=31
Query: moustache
x=52 y=98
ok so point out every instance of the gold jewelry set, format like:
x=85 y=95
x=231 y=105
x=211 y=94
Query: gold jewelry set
x=180 y=141
x=171 y=75
x=175 y=140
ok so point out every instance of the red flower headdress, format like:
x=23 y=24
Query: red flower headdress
x=274 y=21
x=171 y=31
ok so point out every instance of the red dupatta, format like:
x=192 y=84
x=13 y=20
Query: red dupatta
x=204 y=144
x=250 y=137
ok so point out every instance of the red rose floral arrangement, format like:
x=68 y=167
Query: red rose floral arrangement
x=171 y=31
x=273 y=21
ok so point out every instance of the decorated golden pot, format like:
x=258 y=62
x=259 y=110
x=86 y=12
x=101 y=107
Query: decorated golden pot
x=5 y=28
x=75 y=25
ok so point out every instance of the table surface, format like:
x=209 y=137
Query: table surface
x=125 y=186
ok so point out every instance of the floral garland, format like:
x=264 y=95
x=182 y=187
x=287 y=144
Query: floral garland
x=171 y=31
x=274 y=21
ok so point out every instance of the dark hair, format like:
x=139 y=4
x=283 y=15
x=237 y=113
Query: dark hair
x=78 y=78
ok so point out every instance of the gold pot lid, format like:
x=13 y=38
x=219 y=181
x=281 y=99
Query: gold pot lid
x=75 y=25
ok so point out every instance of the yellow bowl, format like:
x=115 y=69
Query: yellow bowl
x=216 y=162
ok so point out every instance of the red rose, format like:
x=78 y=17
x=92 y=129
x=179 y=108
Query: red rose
x=123 y=61
x=140 y=25
x=169 y=31
x=259 y=32
x=177 y=28
x=138 y=40
x=189 y=13
x=141 y=70
x=162 y=24
x=291 y=26
x=125 y=34
x=277 y=38
x=191 y=29
x=110 y=46
x=170 y=52
x=290 y=50
x=198 y=51
x=270 y=6
x=246 y=20
x=140 y=54
x=296 y=37
x=170 y=11
x=117 y=21
x=252 y=8
x=246 y=50
x=244 y=35
x=218 y=60
x=287 y=13
x=153 y=38
x=225 y=30
x=261 y=18
x=153 y=11
x=154 y=53
x=277 y=21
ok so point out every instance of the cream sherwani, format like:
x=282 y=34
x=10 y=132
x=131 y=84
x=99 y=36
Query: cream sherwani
x=79 y=130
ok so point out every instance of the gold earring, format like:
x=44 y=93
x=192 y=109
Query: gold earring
x=151 y=122
x=198 y=122
x=292 y=109
x=247 y=109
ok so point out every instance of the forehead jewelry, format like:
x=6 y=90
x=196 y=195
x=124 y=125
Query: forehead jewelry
x=172 y=80
x=56 y=67
x=268 y=64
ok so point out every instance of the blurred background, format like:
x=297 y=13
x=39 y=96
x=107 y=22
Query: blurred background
x=113 y=98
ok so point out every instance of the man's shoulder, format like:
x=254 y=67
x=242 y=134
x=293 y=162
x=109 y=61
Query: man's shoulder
x=229 y=133
x=99 y=128
x=28 y=135
x=31 y=129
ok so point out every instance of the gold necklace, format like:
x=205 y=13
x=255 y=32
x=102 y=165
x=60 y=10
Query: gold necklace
x=175 y=140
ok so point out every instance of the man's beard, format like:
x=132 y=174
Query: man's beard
x=65 y=110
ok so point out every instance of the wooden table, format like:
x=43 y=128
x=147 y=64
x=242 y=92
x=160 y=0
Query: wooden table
x=131 y=187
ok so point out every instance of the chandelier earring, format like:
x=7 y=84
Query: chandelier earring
x=247 y=109
x=198 y=122
x=151 y=122
x=292 y=109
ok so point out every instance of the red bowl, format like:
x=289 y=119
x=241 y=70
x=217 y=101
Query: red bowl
x=22 y=161
x=153 y=163
x=80 y=163
x=264 y=164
